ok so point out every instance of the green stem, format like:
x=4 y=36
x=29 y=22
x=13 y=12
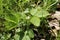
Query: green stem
x=51 y=5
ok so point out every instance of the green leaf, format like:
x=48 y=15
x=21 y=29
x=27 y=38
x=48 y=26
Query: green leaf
x=12 y=17
x=16 y=37
x=10 y=25
x=35 y=20
x=34 y=10
x=39 y=12
x=26 y=37
x=42 y=13
x=31 y=33
x=12 y=20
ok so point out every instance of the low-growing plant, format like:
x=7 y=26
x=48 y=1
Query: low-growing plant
x=21 y=17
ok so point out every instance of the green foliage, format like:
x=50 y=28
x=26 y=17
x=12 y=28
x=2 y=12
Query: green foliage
x=35 y=20
x=16 y=37
x=12 y=20
x=31 y=33
x=18 y=15
x=39 y=12
x=26 y=37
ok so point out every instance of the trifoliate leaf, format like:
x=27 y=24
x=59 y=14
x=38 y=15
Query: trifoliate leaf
x=39 y=12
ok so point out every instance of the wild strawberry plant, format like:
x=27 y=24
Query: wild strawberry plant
x=19 y=15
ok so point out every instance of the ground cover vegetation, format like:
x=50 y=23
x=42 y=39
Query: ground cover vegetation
x=28 y=20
